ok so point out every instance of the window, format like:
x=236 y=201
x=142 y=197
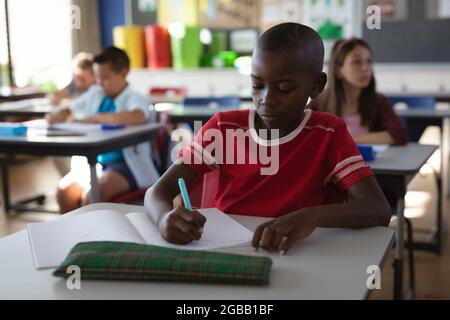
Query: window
x=4 y=78
x=40 y=40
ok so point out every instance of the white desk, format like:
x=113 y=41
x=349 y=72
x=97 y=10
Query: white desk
x=435 y=117
x=331 y=264
x=26 y=108
x=394 y=170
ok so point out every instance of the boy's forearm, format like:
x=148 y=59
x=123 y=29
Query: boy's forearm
x=66 y=113
x=354 y=214
x=382 y=137
x=128 y=118
x=157 y=204
x=159 y=198
x=60 y=116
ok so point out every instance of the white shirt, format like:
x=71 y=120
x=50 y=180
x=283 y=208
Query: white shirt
x=88 y=103
x=138 y=158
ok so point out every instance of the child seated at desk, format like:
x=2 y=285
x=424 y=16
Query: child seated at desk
x=351 y=94
x=83 y=79
x=316 y=176
x=112 y=102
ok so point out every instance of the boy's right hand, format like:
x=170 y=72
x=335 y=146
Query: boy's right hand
x=53 y=118
x=181 y=226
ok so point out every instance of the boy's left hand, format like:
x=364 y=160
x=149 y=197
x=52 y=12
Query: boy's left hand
x=103 y=118
x=281 y=233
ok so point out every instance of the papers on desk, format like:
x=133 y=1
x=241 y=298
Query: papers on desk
x=23 y=104
x=66 y=126
x=69 y=129
x=52 y=241
x=76 y=126
x=41 y=127
x=371 y=151
x=380 y=148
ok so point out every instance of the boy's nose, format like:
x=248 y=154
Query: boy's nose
x=267 y=98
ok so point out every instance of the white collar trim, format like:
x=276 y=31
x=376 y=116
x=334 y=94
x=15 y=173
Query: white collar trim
x=276 y=142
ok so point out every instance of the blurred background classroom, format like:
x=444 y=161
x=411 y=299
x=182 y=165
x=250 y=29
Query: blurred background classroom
x=202 y=49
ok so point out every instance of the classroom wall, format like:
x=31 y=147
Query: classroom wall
x=198 y=82
x=112 y=13
x=392 y=79
x=416 y=39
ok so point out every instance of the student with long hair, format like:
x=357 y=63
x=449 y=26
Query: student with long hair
x=351 y=94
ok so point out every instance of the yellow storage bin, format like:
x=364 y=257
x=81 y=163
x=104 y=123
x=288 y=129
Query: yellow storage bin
x=131 y=39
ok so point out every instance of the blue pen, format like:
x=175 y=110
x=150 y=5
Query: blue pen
x=184 y=194
x=113 y=126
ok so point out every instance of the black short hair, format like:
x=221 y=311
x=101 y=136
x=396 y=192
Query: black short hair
x=295 y=37
x=117 y=58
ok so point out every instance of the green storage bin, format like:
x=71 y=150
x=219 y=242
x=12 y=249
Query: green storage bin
x=218 y=43
x=187 y=50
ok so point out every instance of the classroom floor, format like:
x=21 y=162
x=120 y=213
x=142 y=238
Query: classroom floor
x=31 y=175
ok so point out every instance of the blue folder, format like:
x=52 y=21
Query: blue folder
x=12 y=129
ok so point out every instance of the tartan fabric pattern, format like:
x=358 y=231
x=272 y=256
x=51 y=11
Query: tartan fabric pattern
x=131 y=261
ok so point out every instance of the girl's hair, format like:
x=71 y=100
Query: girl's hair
x=333 y=98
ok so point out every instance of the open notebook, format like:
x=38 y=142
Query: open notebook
x=52 y=241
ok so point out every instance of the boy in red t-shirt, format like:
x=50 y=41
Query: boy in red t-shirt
x=279 y=160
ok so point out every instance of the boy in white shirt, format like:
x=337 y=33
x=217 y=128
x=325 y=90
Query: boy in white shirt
x=111 y=102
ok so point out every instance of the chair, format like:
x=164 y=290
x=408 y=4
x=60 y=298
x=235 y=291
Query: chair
x=129 y=197
x=392 y=199
x=422 y=102
x=167 y=94
x=162 y=142
x=415 y=128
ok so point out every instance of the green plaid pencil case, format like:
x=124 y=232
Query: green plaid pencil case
x=131 y=261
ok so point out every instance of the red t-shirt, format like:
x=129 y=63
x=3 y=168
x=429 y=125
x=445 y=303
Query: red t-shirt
x=313 y=165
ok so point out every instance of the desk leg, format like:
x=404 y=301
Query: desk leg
x=5 y=182
x=95 y=194
x=399 y=247
x=445 y=153
x=445 y=180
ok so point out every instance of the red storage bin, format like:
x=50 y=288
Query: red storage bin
x=157 y=43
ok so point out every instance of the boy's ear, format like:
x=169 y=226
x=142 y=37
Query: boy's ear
x=124 y=73
x=319 y=85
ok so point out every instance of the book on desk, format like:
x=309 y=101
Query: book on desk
x=52 y=241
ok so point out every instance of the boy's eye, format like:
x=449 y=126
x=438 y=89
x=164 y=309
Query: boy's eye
x=257 y=87
x=285 y=89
